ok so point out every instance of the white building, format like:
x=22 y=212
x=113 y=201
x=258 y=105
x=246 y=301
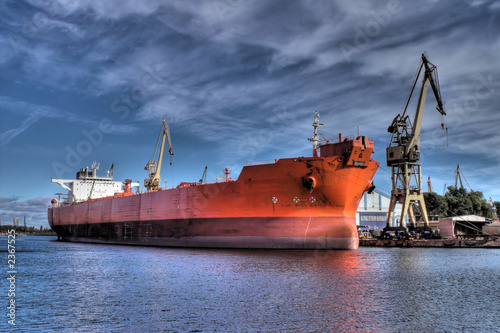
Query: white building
x=373 y=209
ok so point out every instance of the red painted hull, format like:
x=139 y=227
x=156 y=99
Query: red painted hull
x=268 y=206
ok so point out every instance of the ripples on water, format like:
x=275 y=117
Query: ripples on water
x=74 y=287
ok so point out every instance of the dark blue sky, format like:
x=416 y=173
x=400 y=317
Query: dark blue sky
x=237 y=81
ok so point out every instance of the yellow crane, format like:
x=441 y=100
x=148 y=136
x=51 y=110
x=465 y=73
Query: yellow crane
x=403 y=152
x=154 y=167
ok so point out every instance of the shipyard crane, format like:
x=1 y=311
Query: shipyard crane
x=429 y=184
x=154 y=167
x=458 y=178
x=403 y=153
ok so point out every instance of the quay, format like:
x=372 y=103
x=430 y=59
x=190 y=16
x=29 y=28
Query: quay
x=450 y=243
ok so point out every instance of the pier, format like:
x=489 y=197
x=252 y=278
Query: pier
x=449 y=243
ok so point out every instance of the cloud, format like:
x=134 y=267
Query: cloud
x=31 y=114
x=34 y=209
x=221 y=70
x=109 y=9
x=7 y=136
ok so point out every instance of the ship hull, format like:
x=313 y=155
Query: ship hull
x=259 y=233
x=301 y=203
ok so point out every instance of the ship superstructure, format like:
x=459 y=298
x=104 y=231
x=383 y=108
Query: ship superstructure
x=88 y=185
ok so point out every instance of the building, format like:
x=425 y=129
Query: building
x=492 y=228
x=466 y=225
x=372 y=210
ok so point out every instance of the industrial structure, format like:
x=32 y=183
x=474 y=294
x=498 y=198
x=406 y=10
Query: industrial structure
x=458 y=178
x=403 y=153
x=462 y=226
x=89 y=186
x=372 y=210
x=153 y=166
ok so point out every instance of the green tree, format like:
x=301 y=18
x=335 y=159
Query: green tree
x=496 y=204
x=461 y=202
x=458 y=201
x=486 y=210
x=436 y=205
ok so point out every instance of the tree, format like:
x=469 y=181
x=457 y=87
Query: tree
x=486 y=210
x=458 y=201
x=436 y=205
x=496 y=204
x=461 y=202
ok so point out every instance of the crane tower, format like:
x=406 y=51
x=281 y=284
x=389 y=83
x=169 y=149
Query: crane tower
x=153 y=166
x=403 y=153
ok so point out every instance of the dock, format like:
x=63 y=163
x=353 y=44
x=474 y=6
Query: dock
x=449 y=243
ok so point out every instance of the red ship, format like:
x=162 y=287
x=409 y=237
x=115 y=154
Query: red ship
x=289 y=203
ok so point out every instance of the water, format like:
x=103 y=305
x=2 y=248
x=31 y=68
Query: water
x=71 y=287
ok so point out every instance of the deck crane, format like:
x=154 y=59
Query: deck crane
x=203 y=178
x=403 y=153
x=154 y=167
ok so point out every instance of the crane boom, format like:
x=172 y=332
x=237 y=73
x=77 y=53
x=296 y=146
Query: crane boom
x=414 y=142
x=153 y=167
x=203 y=178
x=403 y=153
x=458 y=178
x=429 y=185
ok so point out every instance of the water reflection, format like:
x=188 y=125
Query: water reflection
x=85 y=287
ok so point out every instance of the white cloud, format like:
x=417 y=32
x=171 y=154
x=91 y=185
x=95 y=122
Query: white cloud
x=7 y=136
x=34 y=209
x=225 y=66
x=105 y=9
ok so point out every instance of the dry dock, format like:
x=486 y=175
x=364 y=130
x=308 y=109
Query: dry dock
x=482 y=243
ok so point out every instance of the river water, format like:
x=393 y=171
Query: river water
x=71 y=287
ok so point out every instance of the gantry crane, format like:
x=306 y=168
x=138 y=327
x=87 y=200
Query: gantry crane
x=403 y=153
x=153 y=167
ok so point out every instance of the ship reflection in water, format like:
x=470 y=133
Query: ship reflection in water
x=97 y=288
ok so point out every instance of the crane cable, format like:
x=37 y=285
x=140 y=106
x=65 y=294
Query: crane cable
x=417 y=75
x=445 y=123
x=157 y=142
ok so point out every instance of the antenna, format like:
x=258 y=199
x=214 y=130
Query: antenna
x=315 y=139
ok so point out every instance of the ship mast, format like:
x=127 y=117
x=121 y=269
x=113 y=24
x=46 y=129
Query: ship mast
x=315 y=138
